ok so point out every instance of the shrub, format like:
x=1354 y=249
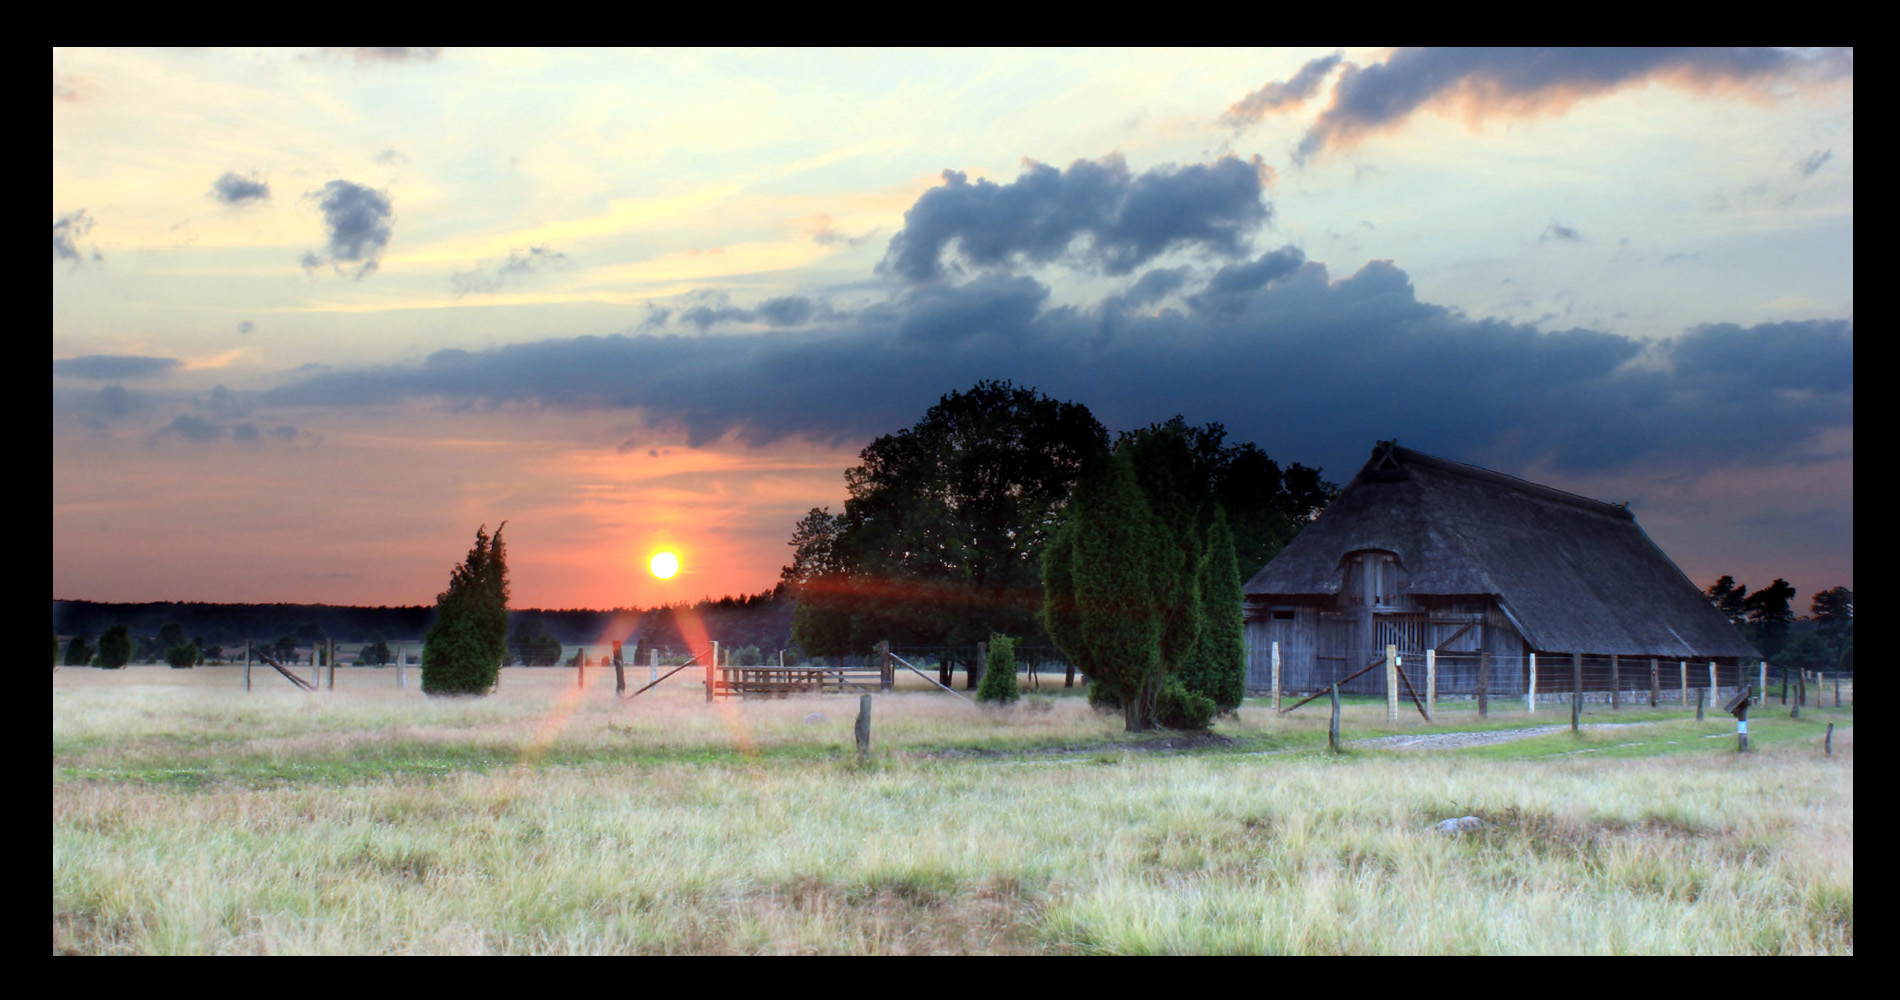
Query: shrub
x=182 y=656
x=1180 y=708
x=999 y=672
x=115 y=648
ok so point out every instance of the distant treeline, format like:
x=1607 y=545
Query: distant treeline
x=763 y=620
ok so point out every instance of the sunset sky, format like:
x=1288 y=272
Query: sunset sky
x=317 y=314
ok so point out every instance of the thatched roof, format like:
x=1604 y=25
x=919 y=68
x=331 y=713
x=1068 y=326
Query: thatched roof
x=1575 y=574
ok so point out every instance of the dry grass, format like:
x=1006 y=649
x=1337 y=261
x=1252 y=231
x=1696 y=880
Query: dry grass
x=191 y=818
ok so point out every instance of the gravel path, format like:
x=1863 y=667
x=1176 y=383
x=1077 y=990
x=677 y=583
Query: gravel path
x=1449 y=741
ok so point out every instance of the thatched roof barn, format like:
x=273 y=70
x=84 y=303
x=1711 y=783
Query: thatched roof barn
x=1430 y=554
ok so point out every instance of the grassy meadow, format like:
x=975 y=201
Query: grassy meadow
x=190 y=817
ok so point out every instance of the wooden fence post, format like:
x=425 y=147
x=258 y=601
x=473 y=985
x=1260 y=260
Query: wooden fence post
x=1712 y=682
x=1392 y=685
x=1576 y=689
x=1655 y=683
x=1800 y=692
x=402 y=668
x=1530 y=689
x=1837 y=690
x=653 y=666
x=247 y=664
x=1616 y=684
x=1701 y=696
x=580 y=667
x=863 y=728
x=1761 y=682
x=712 y=658
x=620 y=674
x=1484 y=683
x=1275 y=654
x=1431 y=683
x=1683 y=666
x=332 y=658
x=1332 y=728
x=885 y=668
x=1827 y=744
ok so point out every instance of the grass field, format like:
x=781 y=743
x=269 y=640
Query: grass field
x=190 y=817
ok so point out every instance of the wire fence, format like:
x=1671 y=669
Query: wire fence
x=1530 y=679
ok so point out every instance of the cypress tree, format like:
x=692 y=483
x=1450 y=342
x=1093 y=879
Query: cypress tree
x=999 y=672
x=463 y=651
x=1110 y=578
x=1217 y=667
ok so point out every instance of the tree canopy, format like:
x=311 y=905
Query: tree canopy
x=941 y=539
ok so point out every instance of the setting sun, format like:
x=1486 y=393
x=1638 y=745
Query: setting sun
x=664 y=565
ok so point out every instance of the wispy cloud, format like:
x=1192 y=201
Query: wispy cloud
x=520 y=264
x=1525 y=82
x=68 y=230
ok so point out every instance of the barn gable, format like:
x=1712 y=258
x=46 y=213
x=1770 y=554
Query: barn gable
x=1569 y=573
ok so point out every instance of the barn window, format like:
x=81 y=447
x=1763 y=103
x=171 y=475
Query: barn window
x=1282 y=614
x=1373 y=579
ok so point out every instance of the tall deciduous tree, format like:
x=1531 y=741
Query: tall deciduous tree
x=941 y=539
x=463 y=651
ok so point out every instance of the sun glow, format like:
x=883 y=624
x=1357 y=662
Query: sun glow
x=664 y=565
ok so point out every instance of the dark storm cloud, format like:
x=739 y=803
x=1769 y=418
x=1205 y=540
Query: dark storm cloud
x=68 y=230
x=1312 y=368
x=236 y=189
x=1520 y=82
x=1128 y=219
x=519 y=265
x=716 y=308
x=1278 y=95
x=1226 y=295
x=112 y=366
x=1150 y=288
x=357 y=219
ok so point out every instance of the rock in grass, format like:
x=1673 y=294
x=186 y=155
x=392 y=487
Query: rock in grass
x=1463 y=824
x=816 y=717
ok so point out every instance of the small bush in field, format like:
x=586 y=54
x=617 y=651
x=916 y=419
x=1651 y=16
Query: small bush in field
x=999 y=673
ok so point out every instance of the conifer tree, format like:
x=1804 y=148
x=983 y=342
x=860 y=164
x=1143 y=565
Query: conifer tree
x=1111 y=583
x=999 y=672
x=1217 y=667
x=464 y=649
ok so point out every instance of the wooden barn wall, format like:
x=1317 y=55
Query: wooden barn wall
x=1320 y=645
